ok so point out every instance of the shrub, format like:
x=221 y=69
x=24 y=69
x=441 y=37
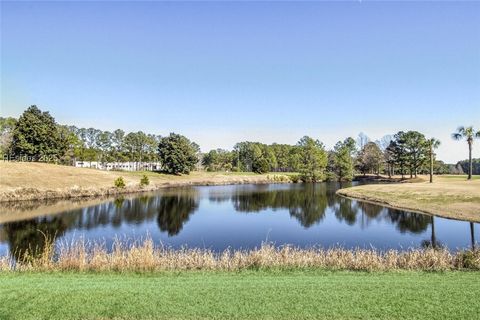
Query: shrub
x=281 y=178
x=295 y=178
x=469 y=259
x=314 y=176
x=119 y=182
x=144 y=181
x=261 y=166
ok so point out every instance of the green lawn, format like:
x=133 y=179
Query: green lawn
x=241 y=295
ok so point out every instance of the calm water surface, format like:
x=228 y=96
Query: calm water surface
x=242 y=217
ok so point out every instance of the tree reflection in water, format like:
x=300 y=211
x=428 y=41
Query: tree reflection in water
x=472 y=235
x=307 y=202
x=170 y=209
x=346 y=210
x=31 y=236
x=174 y=210
x=28 y=239
x=432 y=242
x=409 y=221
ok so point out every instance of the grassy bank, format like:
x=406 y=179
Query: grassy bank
x=142 y=256
x=33 y=181
x=449 y=196
x=242 y=295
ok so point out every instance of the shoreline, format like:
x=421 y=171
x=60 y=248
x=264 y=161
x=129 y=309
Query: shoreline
x=388 y=205
x=393 y=196
x=22 y=181
x=51 y=202
x=30 y=194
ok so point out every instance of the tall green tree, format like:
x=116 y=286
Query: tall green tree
x=104 y=144
x=254 y=157
x=135 y=144
x=218 y=160
x=416 y=148
x=313 y=159
x=71 y=144
x=399 y=153
x=177 y=154
x=36 y=135
x=469 y=134
x=151 y=148
x=117 y=145
x=432 y=144
x=342 y=158
x=282 y=156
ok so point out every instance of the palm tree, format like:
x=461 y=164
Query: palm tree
x=467 y=133
x=432 y=144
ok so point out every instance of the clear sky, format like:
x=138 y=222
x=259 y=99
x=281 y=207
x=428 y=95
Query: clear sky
x=220 y=73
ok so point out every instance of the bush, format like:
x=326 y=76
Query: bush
x=144 y=181
x=281 y=178
x=314 y=176
x=469 y=259
x=119 y=182
x=295 y=178
x=261 y=166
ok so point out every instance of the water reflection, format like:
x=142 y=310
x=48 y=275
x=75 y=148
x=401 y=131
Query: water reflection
x=472 y=235
x=432 y=242
x=324 y=218
x=28 y=239
x=307 y=204
x=174 y=211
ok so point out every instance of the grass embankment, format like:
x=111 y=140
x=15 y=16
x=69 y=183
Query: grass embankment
x=33 y=181
x=448 y=196
x=308 y=294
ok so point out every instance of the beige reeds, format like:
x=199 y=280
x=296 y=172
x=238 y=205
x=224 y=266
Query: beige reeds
x=143 y=255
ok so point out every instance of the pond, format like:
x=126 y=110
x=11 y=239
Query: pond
x=240 y=217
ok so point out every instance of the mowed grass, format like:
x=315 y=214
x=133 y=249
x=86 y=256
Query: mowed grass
x=459 y=177
x=447 y=196
x=313 y=294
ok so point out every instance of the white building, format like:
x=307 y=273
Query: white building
x=121 y=166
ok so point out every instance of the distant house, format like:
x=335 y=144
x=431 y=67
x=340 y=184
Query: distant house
x=121 y=166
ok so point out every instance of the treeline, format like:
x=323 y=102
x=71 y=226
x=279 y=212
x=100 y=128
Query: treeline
x=37 y=136
x=405 y=153
x=463 y=166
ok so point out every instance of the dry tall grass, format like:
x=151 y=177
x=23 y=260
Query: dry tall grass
x=141 y=256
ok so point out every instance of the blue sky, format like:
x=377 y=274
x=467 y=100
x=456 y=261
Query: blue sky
x=265 y=71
